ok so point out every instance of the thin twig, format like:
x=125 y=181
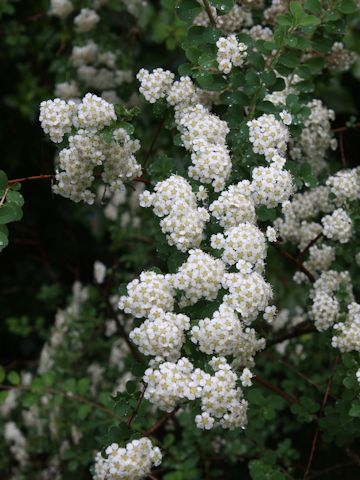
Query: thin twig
x=298 y=330
x=347 y=127
x=152 y=144
x=289 y=398
x=136 y=409
x=209 y=13
x=150 y=431
x=27 y=179
x=309 y=245
x=342 y=148
x=317 y=431
x=294 y=260
x=4 y=196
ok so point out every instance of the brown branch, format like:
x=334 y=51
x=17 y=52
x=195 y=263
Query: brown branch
x=344 y=129
x=294 y=260
x=150 y=431
x=309 y=245
x=152 y=144
x=317 y=431
x=289 y=398
x=342 y=149
x=27 y=179
x=209 y=13
x=298 y=330
x=142 y=180
x=136 y=409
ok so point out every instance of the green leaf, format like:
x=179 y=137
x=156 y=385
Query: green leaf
x=223 y=6
x=347 y=6
x=260 y=470
x=284 y=20
x=13 y=377
x=289 y=59
x=10 y=212
x=131 y=386
x=187 y=10
x=355 y=409
x=15 y=197
x=235 y=98
x=3 y=180
x=2 y=374
x=296 y=11
x=266 y=214
x=314 y=6
x=309 y=20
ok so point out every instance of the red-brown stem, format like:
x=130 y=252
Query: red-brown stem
x=51 y=177
x=150 y=431
x=27 y=179
x=309 y=245
x=317 y=431
x=152 y=144
x=344 y=129
x=342 y=148
x=289 y=398
x=209 y=13
x=298 y=330
x=136 y=409
x=294 y=260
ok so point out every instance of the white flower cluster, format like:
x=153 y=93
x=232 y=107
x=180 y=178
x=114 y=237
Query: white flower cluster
x=269 y=135
x=151 y=290
x=339 y=58
x=347 y=338
x=97 y=68
x=234 y=206
x=18 y=443
x=345 y=185
x=232 y=21
x=338 y=226
x=249 y=293
x=276 y=8
x=199 y=277
x=86 y=20
x=60 y=8
x=230 y=53
x=245 y=242
x=155 y=85
x=316 y=137
x=162 y=334
x=202 y=133
x=326 y=308
x=134 y=461
x=258 y=32
x=183 y=221
x=224 y=334
x=87 y=150
x=271 y=185
x=173 y=383
x=56 y=117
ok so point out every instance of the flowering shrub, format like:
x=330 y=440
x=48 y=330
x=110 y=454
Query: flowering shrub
x=192 y=145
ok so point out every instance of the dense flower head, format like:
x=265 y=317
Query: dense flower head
x=199 y=277
x=244 y=242
x=345 y=185
x=230 y=53
x=56 y=118
x=162 y=334
x=271 y=185
x=94 y=112
x=132 y=462
x=325 y=310
x=267 y=133
x=234 y=205
x=155 y=85
x=338 y=226
x=347 y=335
x=60 y=8
x=249 y=293
x=225 y=334
x=149 y=291
x=86 y=20
x=182 y=92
